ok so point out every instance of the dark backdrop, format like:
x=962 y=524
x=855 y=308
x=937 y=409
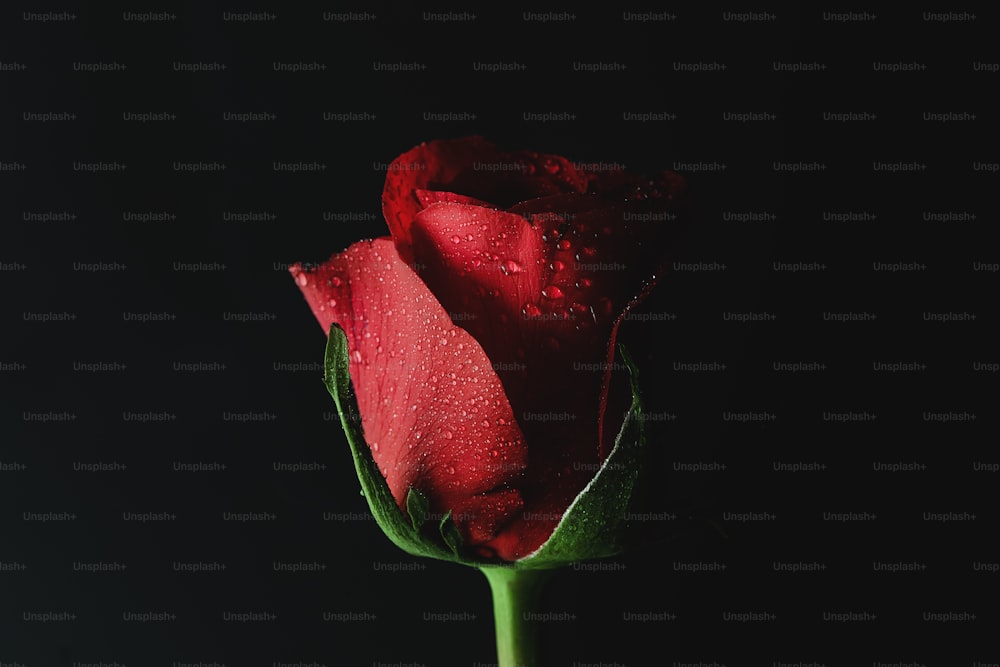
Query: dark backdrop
x=833 y=306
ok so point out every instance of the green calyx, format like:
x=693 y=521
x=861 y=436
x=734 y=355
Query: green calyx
x=593 y=526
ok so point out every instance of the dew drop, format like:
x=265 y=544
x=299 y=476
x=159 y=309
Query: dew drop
x=418 y=435
x=564 y=244
x=510 y=266
x=551 y=166
x=448 y=435
x=494 y=453
x=552 y=292
x=455 y=239
x=584 y=283
x=443 y=341
x=501 y=421
x=333 y=303
x=557 y=266
x=531 y=310
x=485 y=423
x=451 y=470
x=374 y=446
x=356 y=356
x=336 y=282
x=302 y=280
x=469 y=237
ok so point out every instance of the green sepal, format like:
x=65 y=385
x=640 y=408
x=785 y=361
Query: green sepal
x=450 y=534
x=418 y=507
x=594 y=525
x=403 y=531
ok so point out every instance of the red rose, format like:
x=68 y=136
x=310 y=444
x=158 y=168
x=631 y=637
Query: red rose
x=481 y=333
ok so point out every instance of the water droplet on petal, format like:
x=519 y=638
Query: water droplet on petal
x=455 y=239
x=531 y=310
x=303 y=280
x=494 y=453
x=584 y=283
x=374 y=446
x=510 y=266
x=469 y=237
x=336 y=282
x=501 y=421
x=564 y=244
x=551 y=166
x=443 y=341
x=333 y=303
x=552 y=292
x=451 y=470
x=448 y=435
x=557 y=266
x=356 y=356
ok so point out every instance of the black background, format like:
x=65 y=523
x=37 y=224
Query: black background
x=60 y=317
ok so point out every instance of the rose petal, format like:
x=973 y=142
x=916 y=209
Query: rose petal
x=429 y=166
x=433 y=410
x=474 y=168
x=518 y=176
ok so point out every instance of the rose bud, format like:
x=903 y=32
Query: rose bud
x=479 y=339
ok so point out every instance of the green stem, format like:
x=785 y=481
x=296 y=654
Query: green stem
x=516 y=594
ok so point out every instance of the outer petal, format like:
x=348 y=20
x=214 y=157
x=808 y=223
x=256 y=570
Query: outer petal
x=433 y=410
